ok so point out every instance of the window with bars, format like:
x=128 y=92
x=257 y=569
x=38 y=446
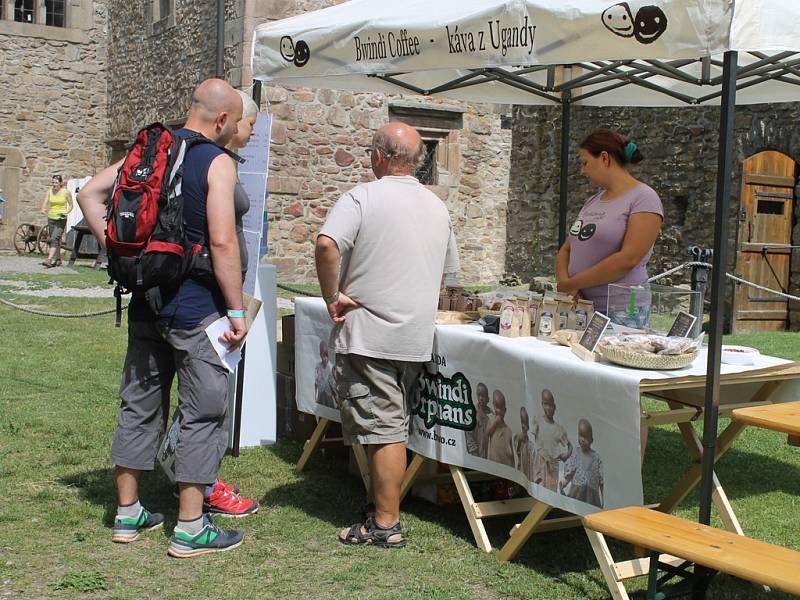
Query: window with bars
x=162 y=9
x=427 y=172
x=25 y=11
x=55 y=13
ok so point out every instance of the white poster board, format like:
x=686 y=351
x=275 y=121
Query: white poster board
x=253 y=176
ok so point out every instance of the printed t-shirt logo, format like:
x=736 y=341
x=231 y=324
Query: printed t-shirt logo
x=445 y=401
x=587 y=231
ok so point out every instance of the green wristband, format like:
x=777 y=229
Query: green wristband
x=236 y=314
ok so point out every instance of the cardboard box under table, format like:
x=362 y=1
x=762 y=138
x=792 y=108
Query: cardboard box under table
x=522 y=375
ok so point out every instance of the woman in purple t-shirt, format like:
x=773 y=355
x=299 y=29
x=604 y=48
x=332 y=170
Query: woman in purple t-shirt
x=612 y=238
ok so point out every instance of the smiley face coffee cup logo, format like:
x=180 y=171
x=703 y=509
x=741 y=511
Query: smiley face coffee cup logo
x=295 y=52
x=646 y=27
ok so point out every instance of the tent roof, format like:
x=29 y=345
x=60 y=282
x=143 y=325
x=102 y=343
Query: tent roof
x=532 y=51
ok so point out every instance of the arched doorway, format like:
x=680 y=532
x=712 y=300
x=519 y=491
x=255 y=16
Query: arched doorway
x=764 y=242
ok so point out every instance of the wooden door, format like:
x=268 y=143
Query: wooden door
x=764 y=243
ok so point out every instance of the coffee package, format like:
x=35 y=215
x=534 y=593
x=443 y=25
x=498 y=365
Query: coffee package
x=584 y=309
x=523 y=317
x=547 y=318
x=564 y=306
x=509 y=324
x=534 y=306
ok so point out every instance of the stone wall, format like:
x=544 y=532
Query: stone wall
x=53 y=107
x=319 y=137
x=318 y=151
x=680 y=148
x=153 y=67
x=319 y=142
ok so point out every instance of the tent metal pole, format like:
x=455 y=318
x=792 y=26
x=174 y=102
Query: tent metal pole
x=721 y=231
x=566 y=103
x=220 y=57
x=721 y=234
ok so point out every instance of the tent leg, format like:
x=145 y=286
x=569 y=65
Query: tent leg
x=562 y=192
x=721 y=230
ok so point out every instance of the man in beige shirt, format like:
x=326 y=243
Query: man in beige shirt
x=380 y=260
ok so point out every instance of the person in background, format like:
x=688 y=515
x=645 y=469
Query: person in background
x=241 y=202
x=57 y=205
x=381 y=256
x=612 y=239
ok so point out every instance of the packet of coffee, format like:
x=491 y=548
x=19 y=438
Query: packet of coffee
x=562 y=311
x=534 y=306
x=460 y=302
x=444 y=300
x=584 y=309
x=547 y=318
x=509 y=326
x=523 y=317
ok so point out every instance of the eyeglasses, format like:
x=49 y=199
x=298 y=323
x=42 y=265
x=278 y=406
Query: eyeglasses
x=387 y=155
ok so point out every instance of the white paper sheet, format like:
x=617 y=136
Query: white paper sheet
x=213 y=331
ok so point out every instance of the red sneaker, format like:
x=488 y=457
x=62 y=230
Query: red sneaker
x=225 y=503
x=231 y=489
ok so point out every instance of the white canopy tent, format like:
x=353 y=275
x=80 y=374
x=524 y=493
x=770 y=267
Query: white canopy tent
x=645 y=53
x=592 y=52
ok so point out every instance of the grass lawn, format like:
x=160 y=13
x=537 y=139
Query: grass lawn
x=58 y=401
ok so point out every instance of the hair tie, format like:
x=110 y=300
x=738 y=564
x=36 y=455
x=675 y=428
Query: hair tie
x=630 y=148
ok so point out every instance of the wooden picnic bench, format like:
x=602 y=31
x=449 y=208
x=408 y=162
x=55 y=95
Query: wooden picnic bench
x=673 y=541
x=784 y=418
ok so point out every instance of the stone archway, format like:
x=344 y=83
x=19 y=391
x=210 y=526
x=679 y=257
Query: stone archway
x=11 y=164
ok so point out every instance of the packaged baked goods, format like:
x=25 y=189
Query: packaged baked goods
x=509 y=326
x=547 y=316
x=584 y=309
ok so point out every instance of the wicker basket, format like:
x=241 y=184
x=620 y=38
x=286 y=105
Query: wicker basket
x=641 y=360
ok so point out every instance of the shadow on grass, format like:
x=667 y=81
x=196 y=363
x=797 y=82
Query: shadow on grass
x=743 y=472
x=97 y=487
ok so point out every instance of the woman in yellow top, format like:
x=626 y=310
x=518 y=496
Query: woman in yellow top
x=60 y=203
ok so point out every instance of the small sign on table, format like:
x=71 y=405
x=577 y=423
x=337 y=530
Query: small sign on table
x=585 y=348
x=682 y=325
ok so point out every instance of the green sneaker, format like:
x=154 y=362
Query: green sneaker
x=210 y=539
x=127 y=529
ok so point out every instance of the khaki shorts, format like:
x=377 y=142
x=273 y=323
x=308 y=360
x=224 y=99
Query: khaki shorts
x=374 y=397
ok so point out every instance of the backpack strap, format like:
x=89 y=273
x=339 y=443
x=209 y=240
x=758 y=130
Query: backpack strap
x=195 y=138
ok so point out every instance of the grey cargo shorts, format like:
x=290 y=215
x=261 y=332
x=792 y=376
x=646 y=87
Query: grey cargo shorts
x=374 y=397
x=155 y=354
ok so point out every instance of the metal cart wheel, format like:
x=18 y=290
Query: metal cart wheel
x=43 y=239
x=25 y=238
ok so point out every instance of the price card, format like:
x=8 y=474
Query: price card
x=682 y=326
x=595 y=329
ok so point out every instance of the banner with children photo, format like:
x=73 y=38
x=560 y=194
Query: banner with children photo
x=565 y=430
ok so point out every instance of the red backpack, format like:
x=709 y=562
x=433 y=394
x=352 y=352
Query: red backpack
x=145 y=232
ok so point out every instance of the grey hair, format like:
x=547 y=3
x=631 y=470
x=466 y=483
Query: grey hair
x=397 y=151
x=249 y=106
